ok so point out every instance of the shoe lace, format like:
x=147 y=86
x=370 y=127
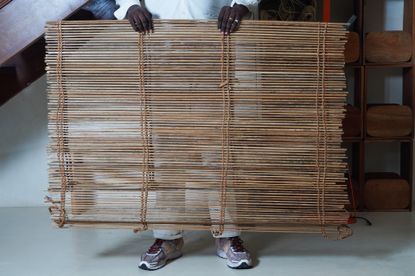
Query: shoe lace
x=155 y=247
x=237 y=244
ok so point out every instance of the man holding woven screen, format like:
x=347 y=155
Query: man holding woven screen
x=168 y=243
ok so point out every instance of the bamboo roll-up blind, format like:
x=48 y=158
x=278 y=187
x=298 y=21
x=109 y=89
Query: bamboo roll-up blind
x=186 y=128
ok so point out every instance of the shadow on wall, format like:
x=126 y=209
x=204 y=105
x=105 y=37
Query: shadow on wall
x=23 y=141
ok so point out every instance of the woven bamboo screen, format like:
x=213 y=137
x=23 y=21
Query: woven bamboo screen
x=185 y=128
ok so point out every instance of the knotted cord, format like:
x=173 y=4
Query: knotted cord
x=60 y=125
x=225 y=85
x=144 y=131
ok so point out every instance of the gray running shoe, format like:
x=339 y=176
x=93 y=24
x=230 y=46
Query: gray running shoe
x=234 y=252
x=160 y=252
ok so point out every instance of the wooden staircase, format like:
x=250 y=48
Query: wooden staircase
x=22 y=47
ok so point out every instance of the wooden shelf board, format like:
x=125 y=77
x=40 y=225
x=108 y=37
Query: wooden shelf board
x=404 y=139
x=388 y=65
x=386 y=210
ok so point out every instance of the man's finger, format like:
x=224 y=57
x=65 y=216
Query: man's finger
x=230 y=21
x=138 y=23
x=235 y=24
x=220 y=17
x=149 y=18
x=132 y=22
x=144 y=22
x=225 y=20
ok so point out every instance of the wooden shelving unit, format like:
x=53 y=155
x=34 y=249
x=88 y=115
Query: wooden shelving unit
x=359 y=143
x=361 y=69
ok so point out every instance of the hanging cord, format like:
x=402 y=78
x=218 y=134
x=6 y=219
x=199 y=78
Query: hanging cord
x=317 y=96
x=322 y=136
x=352 y=196
x=144 y=134
x=343 y=231
x=226 y=90
x=323 y=108
x=353 y=215
x=227 y=125
x=60 y=121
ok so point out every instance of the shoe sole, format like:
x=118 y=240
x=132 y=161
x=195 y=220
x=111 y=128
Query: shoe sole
x=146 y=266
x=242 y=264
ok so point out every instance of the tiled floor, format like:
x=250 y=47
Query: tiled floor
x=30 y=245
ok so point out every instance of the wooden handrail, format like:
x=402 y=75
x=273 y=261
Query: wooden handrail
x=4 y=3
x=22 y=22
x=22 y=48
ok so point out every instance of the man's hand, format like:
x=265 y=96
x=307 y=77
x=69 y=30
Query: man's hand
x=230 y=17
x=140 y=19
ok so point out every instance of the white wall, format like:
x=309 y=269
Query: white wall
x=23 y=140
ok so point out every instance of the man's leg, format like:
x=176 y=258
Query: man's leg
x=167 y=246
x=228 y=234
x=229 y=246
x=228 y=243
x=167 y=234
